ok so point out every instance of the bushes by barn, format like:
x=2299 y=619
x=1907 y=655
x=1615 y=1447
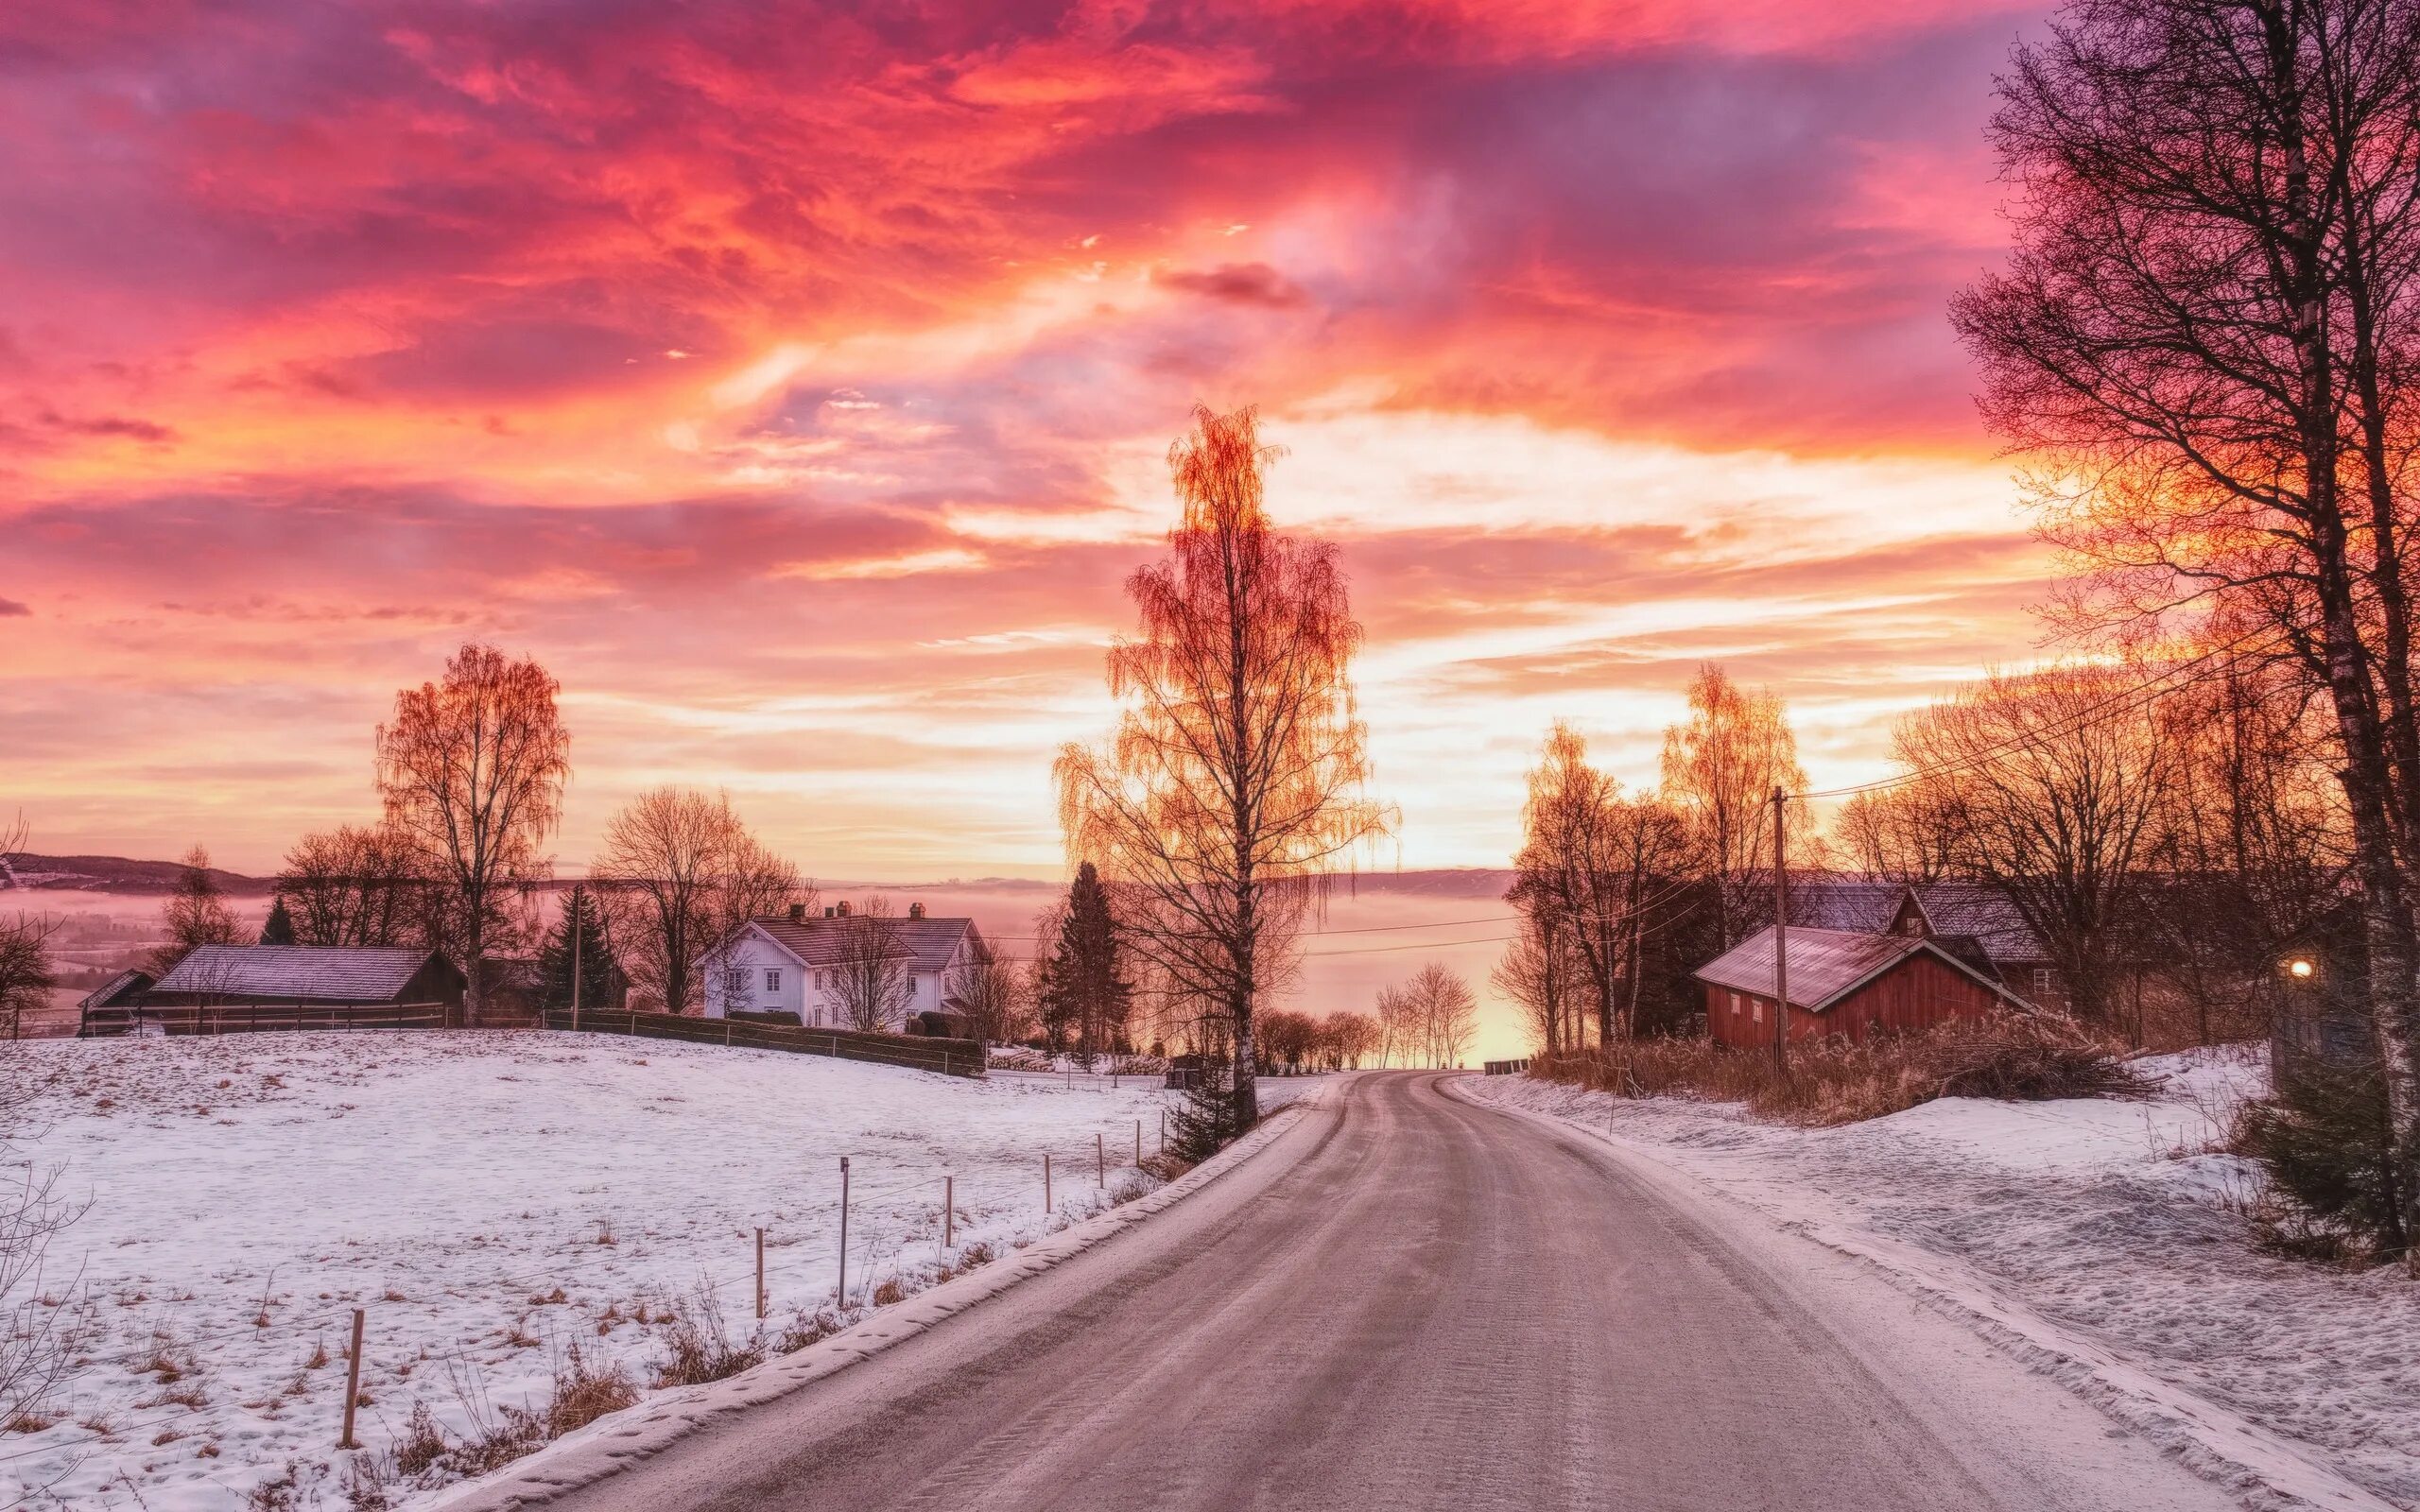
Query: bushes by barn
x=2018 y=1056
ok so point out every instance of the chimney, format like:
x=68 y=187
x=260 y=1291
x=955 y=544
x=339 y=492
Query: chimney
x=915 y=910
x=798 y=913
x=842 y=908
x=827 y=911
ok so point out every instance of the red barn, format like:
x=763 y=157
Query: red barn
x=1846 y=983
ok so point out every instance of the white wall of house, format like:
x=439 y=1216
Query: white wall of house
x=756 y=976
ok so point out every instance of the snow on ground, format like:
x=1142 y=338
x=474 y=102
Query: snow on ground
x=2113 y=1220
x=490 y=1199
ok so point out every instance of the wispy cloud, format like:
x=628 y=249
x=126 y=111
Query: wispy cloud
x=798 y=387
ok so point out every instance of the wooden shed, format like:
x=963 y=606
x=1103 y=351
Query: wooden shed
x=1845 y=983
x=230 y=988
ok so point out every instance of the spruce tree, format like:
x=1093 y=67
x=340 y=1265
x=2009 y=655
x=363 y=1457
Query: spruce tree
x=601 y=976
x=278 y=929
x=1206 y=1122
x=1084 y=991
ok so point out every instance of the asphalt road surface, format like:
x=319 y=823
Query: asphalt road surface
x=1411 y=1300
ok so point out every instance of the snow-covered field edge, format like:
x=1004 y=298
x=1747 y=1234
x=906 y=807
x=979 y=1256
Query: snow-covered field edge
x=620 y=1440
x=2266 y=1469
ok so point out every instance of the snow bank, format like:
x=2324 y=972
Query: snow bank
x=2104 y=1242
x=490 y=1199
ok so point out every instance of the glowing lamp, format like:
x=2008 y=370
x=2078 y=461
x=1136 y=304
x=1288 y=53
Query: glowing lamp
x=2301 y=969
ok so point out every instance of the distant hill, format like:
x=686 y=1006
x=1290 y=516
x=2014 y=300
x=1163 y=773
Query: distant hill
x=113 y=874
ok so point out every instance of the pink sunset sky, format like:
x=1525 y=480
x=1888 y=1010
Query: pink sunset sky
x=795 y=382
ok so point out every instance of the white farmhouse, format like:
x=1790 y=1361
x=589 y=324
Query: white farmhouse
x=789 y=962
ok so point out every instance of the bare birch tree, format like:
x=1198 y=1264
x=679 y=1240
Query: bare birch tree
x=870 y=969
x=26 y=977
x=2059 y=781
x=1721 y=767
x=357 y=885
x=1237 y=777
x=196 y=914
x=2204 y=339
x=472 y=770
x=681 y=874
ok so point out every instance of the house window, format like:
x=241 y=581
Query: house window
x=772 y=980
x=735 y=982
x=2041 y=979
x=1756 y=1010
x=1735 y=1004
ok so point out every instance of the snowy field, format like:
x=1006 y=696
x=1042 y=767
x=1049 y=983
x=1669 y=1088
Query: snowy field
x=2114 y=1221
x=491 y=1200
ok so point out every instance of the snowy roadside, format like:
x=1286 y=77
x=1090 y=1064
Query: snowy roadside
x=2103 y=1242
x=491 y=1200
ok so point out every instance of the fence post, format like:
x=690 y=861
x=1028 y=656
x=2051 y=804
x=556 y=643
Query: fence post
x=949 y=1212
x=845 y=1234
x=1101 y=1161
x=1164 y=1131
x=760 y=1273
x=1046 y=1180
x=352 y=1382
x=1138 y=1141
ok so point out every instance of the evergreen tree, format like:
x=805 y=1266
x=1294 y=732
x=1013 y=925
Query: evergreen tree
x=278 y=929
x=600 y=976
x=1206 y=1122
x=1084 y=994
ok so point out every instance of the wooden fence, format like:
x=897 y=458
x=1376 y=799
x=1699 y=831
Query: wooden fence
x=1506 y=1068
x=951 y=1057
x=262 y=1018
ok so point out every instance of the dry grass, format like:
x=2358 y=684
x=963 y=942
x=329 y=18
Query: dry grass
x=698 y=1348
x=2012 y=1056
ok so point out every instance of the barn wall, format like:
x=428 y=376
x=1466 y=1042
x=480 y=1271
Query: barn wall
x=1917 y=993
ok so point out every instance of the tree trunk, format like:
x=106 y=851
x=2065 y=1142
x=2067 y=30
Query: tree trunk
x=2386 y=922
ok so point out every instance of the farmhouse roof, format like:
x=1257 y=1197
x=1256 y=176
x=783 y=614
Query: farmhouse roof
x=1985 y=912
x=1979 y=910
x=327 y=973
x=1856 y=907
x=818 y=940
x=1826 y=965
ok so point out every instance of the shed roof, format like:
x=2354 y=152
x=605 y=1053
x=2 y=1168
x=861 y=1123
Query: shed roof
x=320 y=972
x=114 y=991
x=1826 y=965
x=817 y=940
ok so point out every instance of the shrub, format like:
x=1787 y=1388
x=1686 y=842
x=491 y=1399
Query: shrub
x=582 y=1395
x=2012 y=1056
x=422 y=1444
x=2329 y=1148
x=698 y=1348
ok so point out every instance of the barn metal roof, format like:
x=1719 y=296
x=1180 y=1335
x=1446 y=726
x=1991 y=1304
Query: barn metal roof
x=1825 y=965
x=817 y=940
x=326 y=972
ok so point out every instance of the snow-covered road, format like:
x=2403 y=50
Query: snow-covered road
x=490 y=1199
x=1411 y=1300
x=2102 y=1242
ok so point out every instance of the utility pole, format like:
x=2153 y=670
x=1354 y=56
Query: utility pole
x=1781 y=939
x=575 y=933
